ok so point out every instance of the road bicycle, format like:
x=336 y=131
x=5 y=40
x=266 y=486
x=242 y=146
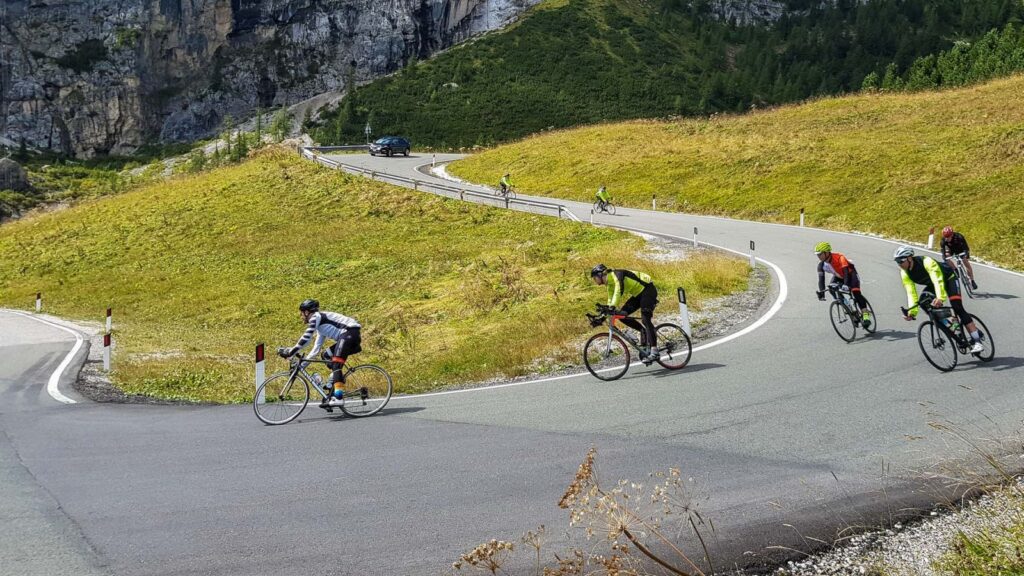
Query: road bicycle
x=606 y=207
x=508 y=193
x=942 y=335
x=604 y=352
x=961 y=272
x=366 y=389
x=846 y=316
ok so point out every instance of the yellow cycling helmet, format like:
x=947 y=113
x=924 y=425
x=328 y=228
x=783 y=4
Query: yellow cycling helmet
x=822 y=247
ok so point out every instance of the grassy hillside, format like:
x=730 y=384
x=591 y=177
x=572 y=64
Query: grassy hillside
x=573 y=62
x=200 y=268
x=888 y=164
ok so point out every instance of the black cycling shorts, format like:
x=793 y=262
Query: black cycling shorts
x=349 y=344
x=646 y=301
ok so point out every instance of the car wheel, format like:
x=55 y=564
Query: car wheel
x=389 y=153
x=407 y=152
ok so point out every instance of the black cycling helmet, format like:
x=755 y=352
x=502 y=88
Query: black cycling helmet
x=599 y=270
x=309 y=305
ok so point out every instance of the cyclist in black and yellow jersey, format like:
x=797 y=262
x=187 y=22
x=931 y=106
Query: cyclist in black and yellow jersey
x=941 y=280
x=629 y=291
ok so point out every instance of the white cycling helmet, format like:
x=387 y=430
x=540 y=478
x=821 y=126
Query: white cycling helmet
x=902 y=253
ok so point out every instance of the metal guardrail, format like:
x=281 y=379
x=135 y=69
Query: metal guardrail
x=524 y=205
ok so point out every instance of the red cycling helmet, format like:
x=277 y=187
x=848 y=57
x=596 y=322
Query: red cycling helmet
x=947 y=231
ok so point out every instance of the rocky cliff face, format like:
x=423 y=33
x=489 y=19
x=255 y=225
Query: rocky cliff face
x=90 y=77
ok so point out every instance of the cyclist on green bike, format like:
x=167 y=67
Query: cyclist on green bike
x=938 y=278
x=344 y=331
x=506 y=183
x=603 y=198
x=954 y=243
x=639 y=292
x=843 y=272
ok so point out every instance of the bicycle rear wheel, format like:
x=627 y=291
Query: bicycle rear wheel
x=367 y=390
x=602 y=356
x=842 y=322
x=874 y=319
x=938 y=348
x=674 y=347
x=284 y=398
x=989 y=352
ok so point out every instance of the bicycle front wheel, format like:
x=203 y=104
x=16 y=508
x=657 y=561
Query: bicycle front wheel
x=989 y=352
x=965 y=280
x=610 y=208
x=281 y=398
x=674 y=347
x=938 y=348
x=367 y=390
x=602 y=356
x=842 y=322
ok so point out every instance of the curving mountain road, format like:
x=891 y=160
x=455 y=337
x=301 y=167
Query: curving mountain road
x=786 y=430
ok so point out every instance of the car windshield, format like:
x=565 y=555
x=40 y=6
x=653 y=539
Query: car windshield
x=383 y=141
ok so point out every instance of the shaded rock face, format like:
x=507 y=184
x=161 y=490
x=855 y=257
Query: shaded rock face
x=88 y=77
x=12 y=176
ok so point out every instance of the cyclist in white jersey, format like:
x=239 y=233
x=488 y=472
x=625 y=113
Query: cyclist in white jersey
x=344 y=331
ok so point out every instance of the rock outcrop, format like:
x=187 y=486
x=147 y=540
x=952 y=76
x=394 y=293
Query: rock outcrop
x=87 y=77
x=12 y=176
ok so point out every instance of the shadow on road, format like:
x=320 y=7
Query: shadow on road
x=891 y=336
x=997 y=364
x=987 y=295
x=691 y=368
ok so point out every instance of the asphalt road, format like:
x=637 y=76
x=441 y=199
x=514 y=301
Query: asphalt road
x=789 y=433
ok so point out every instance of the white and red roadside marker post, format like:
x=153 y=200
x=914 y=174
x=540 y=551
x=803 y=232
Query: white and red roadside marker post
x=654 y=202
x=39 y=302
x=931 y=237
x=753 y=261
x=106 y=352
x=684 y=314
x=260 y=373
x=694 y=236
x=801 y=217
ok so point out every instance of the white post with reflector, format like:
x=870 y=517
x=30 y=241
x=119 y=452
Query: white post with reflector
x=801 y=217
x=106 y=352
x=684 y=314
x=39 y=301
x=260 y=373
x=753 y=262
x=694 y=236
x=654 y=202
x=108 y=321
x=931 y=237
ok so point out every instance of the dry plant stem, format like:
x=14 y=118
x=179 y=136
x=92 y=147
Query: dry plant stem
x=651 y=555
x=660 y=536
x=707 y=555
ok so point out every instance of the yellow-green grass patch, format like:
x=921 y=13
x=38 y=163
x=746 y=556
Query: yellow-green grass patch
x=891 y=164
x=200 y=268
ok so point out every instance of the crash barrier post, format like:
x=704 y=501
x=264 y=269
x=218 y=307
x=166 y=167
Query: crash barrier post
x=684 y=314
x=260 y=373
x=106 y=352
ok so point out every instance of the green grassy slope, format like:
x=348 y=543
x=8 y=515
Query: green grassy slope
x=887 y=164
x=200 y=268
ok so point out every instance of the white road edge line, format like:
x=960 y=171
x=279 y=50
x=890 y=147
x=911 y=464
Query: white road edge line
x=52 y=386
x=783 y=292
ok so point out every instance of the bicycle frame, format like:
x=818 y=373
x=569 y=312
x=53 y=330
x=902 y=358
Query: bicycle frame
x=299 y=370
x=845 y=298
x=614 y=330
x=959 y=337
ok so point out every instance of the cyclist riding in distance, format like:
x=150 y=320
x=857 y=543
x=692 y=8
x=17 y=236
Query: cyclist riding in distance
x=843 y=271
x=954 y=243
x=941 y=280
x=344 y=331
x=603 y=197
x=637 y=290
x=506 y=183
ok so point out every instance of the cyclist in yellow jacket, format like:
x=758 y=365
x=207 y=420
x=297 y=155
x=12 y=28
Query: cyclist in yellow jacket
x=629 y=291
x=942 y=281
